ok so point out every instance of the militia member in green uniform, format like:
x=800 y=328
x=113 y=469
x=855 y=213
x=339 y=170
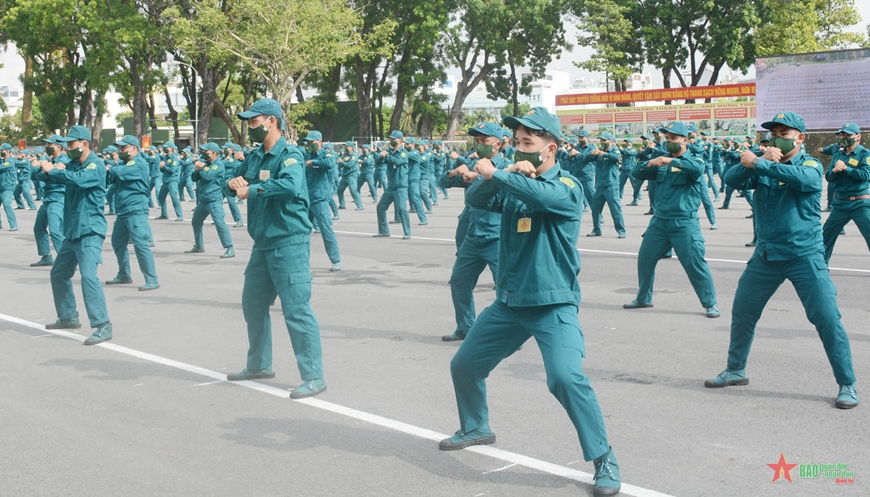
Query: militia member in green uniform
x=788 y=193
x=537 y=293
x=273 y=181
x=674 y=224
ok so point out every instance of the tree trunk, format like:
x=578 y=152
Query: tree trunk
x=514 y=89
x=173 y=114
x=363 y=95
x=99 y=110
x=208 y=76
x=666 y=81
x=152 y=112
x=27 y=104
x=331 y=91
x=86 y=109
x=249 y=92
x=401 y=89
x=221 y=111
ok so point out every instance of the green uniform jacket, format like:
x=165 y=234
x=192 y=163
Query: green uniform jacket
x=678 y=187
x=397 y=168
x=582 y=170
x=482 y=223
x=84 y=198
x=8 y=174
x=133 y=185
x=171 y=168
x=367 y=166
x=539 y=266
x=278 y=203
x=349 y=167
x=413 y=165
x=317 y=175
x=53 y=191
x=606 y=168
x=629 y=158
x=788 y=205
x=855 y=180
x=208 y=182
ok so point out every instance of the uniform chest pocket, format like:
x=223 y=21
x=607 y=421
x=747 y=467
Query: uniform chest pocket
x=678 y=179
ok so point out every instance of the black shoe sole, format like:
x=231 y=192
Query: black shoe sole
x=731 y=383
x=845 y=405
x=480 y=441
x=644 y=306
x=451 y=338
x=604 y=491
x=89 y=342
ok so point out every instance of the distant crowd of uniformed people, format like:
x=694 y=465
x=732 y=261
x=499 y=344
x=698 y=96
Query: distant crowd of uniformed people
x=526 y=185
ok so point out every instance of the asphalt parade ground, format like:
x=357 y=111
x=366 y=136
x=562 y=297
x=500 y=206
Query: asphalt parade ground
x=150 y=412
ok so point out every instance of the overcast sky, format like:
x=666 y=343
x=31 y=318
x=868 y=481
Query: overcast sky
x=13 y=65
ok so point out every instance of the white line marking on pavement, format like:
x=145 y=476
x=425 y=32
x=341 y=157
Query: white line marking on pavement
x=500 y=469
x=138 y=385
x=611 y=252
x=209 y=383
x=510 y=457
x=43 y=336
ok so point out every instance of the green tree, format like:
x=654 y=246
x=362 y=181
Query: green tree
x=605 y=27
x=800 y=26
x=279 y=41
x=482 y=34
x=520 y=110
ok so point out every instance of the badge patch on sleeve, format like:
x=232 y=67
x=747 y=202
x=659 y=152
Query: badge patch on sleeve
x=853 y=162
x=811 y=163
x=289 y=162
x=91 y=166
x=403 y=154
x=568 y=181
x=131 y=163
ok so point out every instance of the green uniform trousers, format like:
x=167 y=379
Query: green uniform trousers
x=215 y=209
x=134 y=228
x=472 y=258
x=608 y=196
x=283 y=272
x=85 y=253
x=49 y=221
x=817 y=292
x=398 y=197
x=842 y=212
x=684 y=236
x=498 y=332
x=6 y=200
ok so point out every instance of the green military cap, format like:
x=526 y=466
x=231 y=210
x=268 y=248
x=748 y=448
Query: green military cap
x=170 y=145
x=850 y=129
x=644 y=137
x=506 y=132
x=264 y=106
x=366 y=146
x=573 y=141
x=396 y=134
x=56 y=139
x=539 y=118
x=411 y=140
x=765 y=138
x=584 y=133
x=75 y=133
x=676 y=128
x=127 y=140
x=437 y=142
x=424 y=142
x=790 y=119
x=314 y=135
x=487 y=129
x=211 y=146
x=349 y=144
x=328 y=146
x=692 y=128
x=606 y=136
